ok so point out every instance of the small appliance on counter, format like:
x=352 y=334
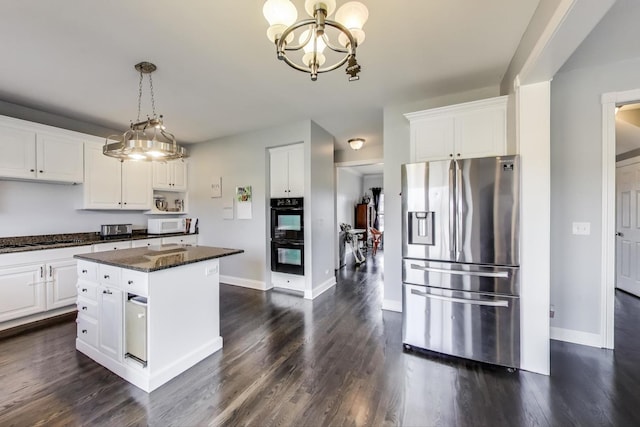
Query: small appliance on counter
x=110 y=231
x=166 y=225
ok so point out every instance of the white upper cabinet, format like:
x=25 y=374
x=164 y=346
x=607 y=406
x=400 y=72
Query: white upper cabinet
x=170 y=176
x=473 y=129
x=32 y=151
x=287 y=171
x=112 y=184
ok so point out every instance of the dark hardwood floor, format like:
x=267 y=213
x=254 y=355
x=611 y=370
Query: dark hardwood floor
x=335 y=361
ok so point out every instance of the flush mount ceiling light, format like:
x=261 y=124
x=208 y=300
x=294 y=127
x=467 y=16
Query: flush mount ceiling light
x=356 y=143
x=147 y=139
x=346 y=34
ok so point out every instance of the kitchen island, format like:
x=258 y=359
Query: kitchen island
x=148 y=314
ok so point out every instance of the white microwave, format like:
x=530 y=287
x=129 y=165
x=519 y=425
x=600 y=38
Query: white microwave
x=166 y=225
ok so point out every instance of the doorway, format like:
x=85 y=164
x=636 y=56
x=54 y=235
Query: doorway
x=356 y=211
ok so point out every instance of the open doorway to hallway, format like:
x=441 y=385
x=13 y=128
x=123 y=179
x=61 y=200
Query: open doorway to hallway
x=359 y=213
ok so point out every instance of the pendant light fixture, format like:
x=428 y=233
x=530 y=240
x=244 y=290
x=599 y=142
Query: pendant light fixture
x=145 y=139
x=345 y=34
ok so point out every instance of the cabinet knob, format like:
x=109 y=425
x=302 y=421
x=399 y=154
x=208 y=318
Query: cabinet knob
x=119 y=203
x=84 y=271
x=458 y=154
x=84 y=331
x=107 y=292
x=41 y=171
x=130 y=282
x=451 y=155
x=84 y=308
x=106 y=276
x=126 y=202
x=32 y=170
x=84 y=289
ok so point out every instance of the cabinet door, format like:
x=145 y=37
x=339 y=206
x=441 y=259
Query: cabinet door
x=296 y=171
x=62 y=277
x=161 y=179
x=18 y=148
x=21 y=291
x=102 y=183
x=59 y=158
x=136 y=185
x=481 y=133
x=181 y=240
x=432 y=139
x=179 y=175
x=279 y=173
x=110 y=322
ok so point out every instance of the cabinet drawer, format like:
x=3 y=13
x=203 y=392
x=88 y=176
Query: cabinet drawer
x=87 y=308
x=87 y=270
x=135 y=282
x=87 y=290
x=181 y=240
x=111 y=246
x=109 y=275
x=87 y=330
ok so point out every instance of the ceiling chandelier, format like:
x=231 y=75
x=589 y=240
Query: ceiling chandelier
x=346 y=34
x=356 y=143
x=145 y=139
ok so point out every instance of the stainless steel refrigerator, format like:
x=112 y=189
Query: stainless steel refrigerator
x=460 y=248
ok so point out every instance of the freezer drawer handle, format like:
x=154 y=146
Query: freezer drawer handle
x=461 y=300
x=501 y=274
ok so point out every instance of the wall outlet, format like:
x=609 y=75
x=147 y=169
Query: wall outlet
x=581 y=228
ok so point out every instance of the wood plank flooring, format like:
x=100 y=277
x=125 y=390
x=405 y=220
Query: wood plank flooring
x=337 y=361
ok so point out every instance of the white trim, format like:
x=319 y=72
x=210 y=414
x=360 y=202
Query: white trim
x=36 y=317
x=245 y=283
x=323 y=287
x=607 y=263
x=391 y=305
x=358 y=163
x=576 y=337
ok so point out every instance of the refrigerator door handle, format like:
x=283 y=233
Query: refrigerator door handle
x=502 y=303
x=499 y=274
x=459 y=224
x=452 y=210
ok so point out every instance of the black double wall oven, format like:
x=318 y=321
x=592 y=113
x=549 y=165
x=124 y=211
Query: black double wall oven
x=287 y=235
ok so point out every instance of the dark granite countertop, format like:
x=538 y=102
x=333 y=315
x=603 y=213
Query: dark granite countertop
x=56 y=241
x=154 y=258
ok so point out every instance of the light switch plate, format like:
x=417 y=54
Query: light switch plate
x=582 y=228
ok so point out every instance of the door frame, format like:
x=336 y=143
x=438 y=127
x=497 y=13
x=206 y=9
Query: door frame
x=608 y=262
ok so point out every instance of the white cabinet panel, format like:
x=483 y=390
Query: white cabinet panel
x=170 y=176
x=111 y=184
x=470 y=130
x=18 y=150
x=59 y=158
x=22 y=291
x=110 y=322
x=287 y=171
x=145 y=242
x=111 y=246
x=181 y=240
x=62 y=278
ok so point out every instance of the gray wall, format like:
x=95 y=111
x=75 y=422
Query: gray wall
x=322 y=205
x=608 y=61
x=396 y=152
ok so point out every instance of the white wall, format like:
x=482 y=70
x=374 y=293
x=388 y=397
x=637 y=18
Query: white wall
x=608 y=61
x=322 y=210
x=370 y=181
x=32 y=208
x=348 y=193
x=396 y=152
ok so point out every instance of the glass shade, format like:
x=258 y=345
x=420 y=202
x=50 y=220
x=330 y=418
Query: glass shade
x=308 y=48
x=307 y=59
x=276 y=30
x=280 y=12
x=352 y=15
x=310 y=6
x=356 y=143
x=357 y=34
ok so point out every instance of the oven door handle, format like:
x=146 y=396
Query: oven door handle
x=501 y=303
x=499 y=274
x=287 y=243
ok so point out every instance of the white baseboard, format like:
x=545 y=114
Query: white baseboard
x=576 y=337
x=313 y=293
x=391 y=305
x=245 y=283
x=36 y=317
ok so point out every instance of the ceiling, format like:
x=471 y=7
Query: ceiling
x=218 y=74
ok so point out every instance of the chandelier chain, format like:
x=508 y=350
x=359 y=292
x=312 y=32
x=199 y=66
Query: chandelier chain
x=139 y=97
x=153 y=101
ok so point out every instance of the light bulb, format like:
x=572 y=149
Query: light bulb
x=308 y=48
x=357 y=34
x=352 y=15
x=280 y=12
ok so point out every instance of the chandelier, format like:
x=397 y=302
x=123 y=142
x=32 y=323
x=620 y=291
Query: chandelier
x=145 y=139
x=345 y=34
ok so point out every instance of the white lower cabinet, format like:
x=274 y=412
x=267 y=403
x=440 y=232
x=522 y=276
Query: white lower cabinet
x=22 y=291
x=110 y=321
x=31 y=284
x=190 y=239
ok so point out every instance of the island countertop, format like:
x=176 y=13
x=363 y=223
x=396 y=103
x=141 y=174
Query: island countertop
x=153 y=258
